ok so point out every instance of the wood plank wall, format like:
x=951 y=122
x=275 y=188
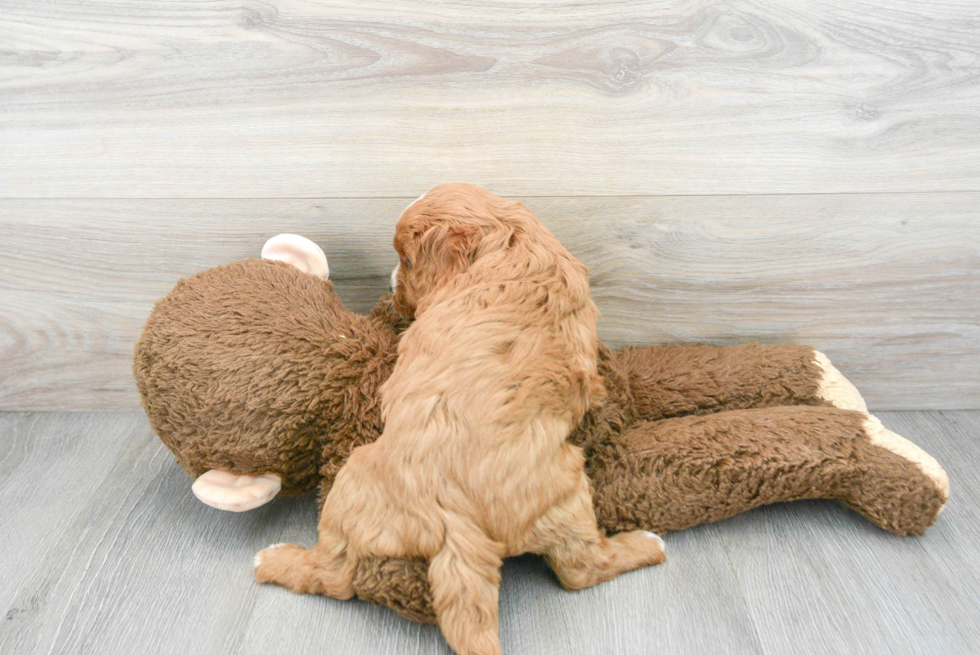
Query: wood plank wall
x=730 y=171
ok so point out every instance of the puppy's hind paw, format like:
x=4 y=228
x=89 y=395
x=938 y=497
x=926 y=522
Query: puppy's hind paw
x=274 y=563
x=257 y=560
x=656 y=537
x=303 y=571
x=639 y=548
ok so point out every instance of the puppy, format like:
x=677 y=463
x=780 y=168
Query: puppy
x=497 y=369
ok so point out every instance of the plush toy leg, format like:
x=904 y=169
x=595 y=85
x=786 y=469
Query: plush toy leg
x=679 y=380
x=673 y=474
x=677 y=473
x=236 y=493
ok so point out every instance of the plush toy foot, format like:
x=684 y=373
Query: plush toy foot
x=236 y=493
x=671 y=474
x=298 y=251
x=903 y=488
x=882 y=436
x=835 y=388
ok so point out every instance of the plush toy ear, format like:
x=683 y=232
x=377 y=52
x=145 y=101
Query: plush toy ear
x=236 y=493
x=298 y=251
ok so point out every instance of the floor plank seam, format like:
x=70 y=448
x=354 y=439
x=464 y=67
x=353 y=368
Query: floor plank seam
x=408 y=197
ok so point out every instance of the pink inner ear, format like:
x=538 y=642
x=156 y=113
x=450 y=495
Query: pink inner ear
x=236 y=493
x=299 y=252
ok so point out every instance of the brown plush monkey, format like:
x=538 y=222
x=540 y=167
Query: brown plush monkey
x=261 y=382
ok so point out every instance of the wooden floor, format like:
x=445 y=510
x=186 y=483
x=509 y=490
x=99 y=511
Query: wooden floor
x=105 y=550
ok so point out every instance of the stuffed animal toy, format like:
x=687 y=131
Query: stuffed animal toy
x=261 y=382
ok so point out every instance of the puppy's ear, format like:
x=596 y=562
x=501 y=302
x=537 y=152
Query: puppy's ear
x=450 y=249
x=444 y=252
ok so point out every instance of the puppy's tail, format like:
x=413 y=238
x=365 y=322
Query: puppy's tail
x=465 y=580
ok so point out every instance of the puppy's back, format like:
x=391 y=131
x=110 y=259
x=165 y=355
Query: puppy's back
x=511 y=338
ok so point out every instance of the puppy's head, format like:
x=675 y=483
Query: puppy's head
x=443 y=233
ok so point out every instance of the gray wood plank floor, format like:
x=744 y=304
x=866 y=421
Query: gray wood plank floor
x=105 y=550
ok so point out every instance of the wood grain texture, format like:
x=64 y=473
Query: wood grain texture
x=887 y=285
x=49 y=466
x=139 y=565
x=345 y=98
x=141 y=562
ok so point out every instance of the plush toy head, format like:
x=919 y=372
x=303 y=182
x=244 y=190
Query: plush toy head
x=257 y=377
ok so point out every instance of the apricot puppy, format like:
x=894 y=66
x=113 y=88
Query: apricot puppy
x=472 y=467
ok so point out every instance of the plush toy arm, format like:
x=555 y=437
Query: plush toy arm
x=678 y=380
x=385 y=314
x=672 y=474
